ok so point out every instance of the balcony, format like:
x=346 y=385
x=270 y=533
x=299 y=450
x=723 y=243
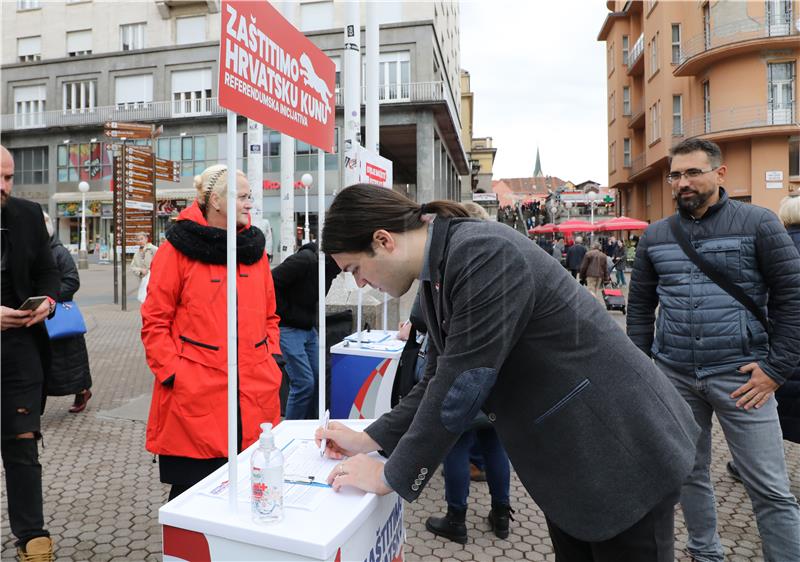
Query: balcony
x=409 y=93
x=636 y=120
x=734 y=38
x=638 y=164
x=635 y=58
x=744 y=122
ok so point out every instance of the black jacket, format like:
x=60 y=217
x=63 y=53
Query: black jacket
x=700 y=328
x=575 y=255
x=296 y=287
x=788 y=394
x=33 y=271
x=69 y=369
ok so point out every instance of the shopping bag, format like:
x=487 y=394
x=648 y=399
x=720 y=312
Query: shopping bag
x=143 y=288
x=66 y=322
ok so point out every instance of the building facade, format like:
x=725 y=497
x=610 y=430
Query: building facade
x=68 y=67
x=725 y=71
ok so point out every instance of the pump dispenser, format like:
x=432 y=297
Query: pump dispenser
x=266 y=479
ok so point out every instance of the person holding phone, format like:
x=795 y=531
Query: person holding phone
x=184 y=327
x=30 y=283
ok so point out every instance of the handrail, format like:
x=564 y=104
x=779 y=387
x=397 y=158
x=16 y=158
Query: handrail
x=636 y=51
x=733 y=118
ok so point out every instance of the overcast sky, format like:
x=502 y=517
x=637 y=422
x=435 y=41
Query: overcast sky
x=538 y=74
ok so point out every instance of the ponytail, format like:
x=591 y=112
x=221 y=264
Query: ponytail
x=358 y=211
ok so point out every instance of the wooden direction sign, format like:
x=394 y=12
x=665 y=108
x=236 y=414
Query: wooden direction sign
x=118 y=129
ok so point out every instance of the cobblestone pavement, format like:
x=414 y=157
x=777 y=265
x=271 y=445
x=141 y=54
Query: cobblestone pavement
x=102 y=491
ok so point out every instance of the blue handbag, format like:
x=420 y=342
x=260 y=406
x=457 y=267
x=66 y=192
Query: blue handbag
x=67 y=321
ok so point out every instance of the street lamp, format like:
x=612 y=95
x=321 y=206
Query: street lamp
x=306 y=179
x=83 y=260
x=568 y=205
x=592 y=197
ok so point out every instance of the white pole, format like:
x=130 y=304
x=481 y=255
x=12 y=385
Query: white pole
x=233 y=438
x=321 y=336
x=255 y=172
x=371 y=101
x=352 y=91
x=289 y=10
x=358 y=315
x=306 y=235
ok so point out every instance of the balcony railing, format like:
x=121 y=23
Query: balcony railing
x=636 y=51
x=411 y=92
x=735 y=32
x=638 y=164
x=734 y=118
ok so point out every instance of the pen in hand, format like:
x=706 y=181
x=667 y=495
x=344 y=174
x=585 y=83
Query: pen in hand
x=324 y=443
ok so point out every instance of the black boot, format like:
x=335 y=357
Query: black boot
x=451 y=526
x=498 y=520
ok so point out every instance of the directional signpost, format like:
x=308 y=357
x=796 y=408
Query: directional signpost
x=136 y=170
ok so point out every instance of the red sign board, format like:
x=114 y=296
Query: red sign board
x=271 y=73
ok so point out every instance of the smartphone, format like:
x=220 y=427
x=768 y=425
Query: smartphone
x=32 y=303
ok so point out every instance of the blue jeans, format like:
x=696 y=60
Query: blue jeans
x=456 y=468
x=299 y=348
x=620 y=276
x=756 y=444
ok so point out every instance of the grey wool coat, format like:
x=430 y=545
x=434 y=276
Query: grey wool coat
x=597 y=434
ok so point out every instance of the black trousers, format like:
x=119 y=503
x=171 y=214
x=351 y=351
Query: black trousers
x=651 y=539
x=21 y=392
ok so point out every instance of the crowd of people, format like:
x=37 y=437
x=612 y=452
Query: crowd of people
x=605 y=448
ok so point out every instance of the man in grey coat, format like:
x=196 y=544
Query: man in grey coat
x=602 y=450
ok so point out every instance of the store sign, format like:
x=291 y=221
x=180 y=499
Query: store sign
x=374 y=169
x=484 y=197
x=271 y=73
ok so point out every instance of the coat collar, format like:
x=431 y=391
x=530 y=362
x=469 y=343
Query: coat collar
x=723 y=199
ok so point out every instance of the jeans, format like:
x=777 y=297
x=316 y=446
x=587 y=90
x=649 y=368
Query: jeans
x=756 y=444
x=299 y=348
x=24 y=488
x=456 y=469
x=620 y=277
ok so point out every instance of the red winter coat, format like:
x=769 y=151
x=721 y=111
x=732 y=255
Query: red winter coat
x=184 y=329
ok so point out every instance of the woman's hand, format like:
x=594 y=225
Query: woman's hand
x=360 y=472
x=342 y=442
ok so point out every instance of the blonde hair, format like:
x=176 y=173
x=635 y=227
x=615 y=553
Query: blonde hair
x=214 y=179
x=789 y=211
x=475 y=211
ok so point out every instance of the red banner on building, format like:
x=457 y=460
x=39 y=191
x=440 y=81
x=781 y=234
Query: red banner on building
x=270 y=72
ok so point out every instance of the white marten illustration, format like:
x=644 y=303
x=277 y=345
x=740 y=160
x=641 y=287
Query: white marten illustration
x=310 y=78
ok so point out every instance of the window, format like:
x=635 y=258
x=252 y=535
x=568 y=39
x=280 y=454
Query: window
x=83 y=162
x=676 y=43
x=625 y=50
x=654 y=54
x=79 y=43
x=612 y=109
x=195 y=153
x=133 y=92
x=131 y=36
x=655 y=122
x=626 y=153
x=707 y=25
x=30 y=165
x=29 y=48
x=190 y=30
x=191 y=91
x=612 y=156
x=706 y=107
x=780 y=90
x=794 y=156
x=337 y=62
x=316 y=15
x=677 y=116
x=610 y=58
x=28 y=4
x=78 y=97
x=626 y=100
x=29 y=102
x=394 y=75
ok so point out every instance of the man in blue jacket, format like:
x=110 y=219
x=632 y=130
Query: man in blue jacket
x=717 y=352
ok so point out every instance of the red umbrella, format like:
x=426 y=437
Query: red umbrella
x=548 y=228
x=623 y=223
x=575 y=225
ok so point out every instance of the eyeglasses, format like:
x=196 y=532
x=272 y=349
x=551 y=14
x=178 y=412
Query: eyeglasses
x=690 y=174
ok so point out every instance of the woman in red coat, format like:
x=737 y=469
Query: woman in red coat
x=184 y=331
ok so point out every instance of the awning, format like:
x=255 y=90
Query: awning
x=107 y=196
x=623 y=223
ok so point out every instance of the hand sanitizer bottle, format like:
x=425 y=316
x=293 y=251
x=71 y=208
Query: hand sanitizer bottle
x=266 y=479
